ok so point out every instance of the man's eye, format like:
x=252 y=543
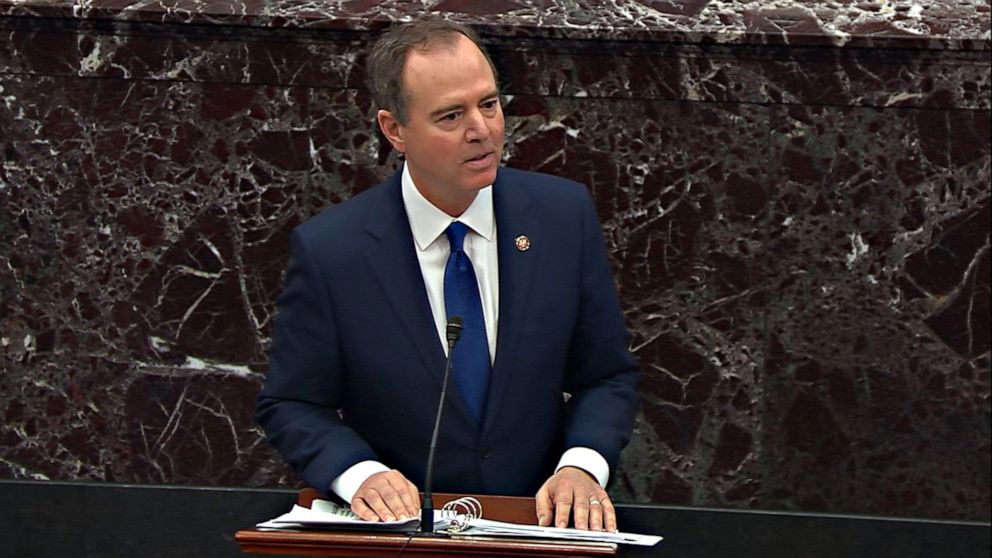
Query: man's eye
x=489 y=105
x=450 y=117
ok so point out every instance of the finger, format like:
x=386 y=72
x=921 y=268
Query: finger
x=609 y=515
x=399 y=497
x=596 y=512
x=394 y=501
x=363 y=510
x=580 y=511
x=543 y=501
x=374 y=499
x=414 y=496
x=563 y=507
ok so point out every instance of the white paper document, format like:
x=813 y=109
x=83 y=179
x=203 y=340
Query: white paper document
x=328 y=515
x=489 y=527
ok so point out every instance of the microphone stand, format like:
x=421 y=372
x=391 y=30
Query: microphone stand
x=452 y=332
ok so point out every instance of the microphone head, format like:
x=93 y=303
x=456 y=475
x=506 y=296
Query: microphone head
x=453 y=330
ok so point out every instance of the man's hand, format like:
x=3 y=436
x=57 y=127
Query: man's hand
x=386 y=496
x=572 y=490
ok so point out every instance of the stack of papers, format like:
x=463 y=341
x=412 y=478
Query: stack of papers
x=489 y=527
x=328 y=515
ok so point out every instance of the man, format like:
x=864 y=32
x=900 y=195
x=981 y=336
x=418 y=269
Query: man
x=543 y=389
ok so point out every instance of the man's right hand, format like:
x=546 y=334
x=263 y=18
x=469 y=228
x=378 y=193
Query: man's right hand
x=386 y=496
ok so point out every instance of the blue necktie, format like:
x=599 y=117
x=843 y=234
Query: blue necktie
x=470 y=361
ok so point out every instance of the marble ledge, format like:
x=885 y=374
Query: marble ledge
x=915 y=24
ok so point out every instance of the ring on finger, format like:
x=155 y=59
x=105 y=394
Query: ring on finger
x=593 y=502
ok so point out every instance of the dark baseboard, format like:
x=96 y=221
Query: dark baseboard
x=707 y=532
x=97 y=520
x=102 y=520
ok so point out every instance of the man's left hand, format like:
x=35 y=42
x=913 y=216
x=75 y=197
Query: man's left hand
x=574 y=491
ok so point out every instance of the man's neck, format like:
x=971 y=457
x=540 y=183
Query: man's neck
x=453 y=207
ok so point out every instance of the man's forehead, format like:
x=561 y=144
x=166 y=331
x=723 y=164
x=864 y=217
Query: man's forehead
x=428 y=52
x=432 y=67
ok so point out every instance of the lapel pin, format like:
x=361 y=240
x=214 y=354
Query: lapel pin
x=522 y=242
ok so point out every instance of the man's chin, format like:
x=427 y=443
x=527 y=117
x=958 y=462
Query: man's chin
x=480 y=180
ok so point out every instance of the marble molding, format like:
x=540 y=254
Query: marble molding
x=798 y=216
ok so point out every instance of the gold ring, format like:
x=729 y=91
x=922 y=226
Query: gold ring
x=593 y=502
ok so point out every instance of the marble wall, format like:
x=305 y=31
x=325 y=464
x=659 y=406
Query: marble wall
x=795 y=196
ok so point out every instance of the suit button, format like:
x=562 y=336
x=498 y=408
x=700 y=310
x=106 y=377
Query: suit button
x=484 y=453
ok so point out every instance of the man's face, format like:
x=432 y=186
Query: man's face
x=453 y=138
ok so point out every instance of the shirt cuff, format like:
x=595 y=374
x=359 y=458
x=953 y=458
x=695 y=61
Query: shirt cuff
x=589 y=460
x=348 y=482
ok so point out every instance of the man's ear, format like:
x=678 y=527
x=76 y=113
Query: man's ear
x=392 y=129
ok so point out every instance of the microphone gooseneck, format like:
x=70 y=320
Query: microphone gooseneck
x=452 y=332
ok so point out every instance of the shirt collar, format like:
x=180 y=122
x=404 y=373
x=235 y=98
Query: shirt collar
x=427 y=222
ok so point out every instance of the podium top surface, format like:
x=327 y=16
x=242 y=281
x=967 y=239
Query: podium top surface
x=372 y=544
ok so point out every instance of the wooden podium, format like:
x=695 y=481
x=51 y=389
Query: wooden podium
x=366 y=544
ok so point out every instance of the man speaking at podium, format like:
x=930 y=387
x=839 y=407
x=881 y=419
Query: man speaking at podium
x=543 y=388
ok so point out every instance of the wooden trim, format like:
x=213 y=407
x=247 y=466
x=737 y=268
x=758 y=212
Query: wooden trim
x=352 y=544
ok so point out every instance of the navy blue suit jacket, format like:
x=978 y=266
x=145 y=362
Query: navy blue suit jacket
x=356 y=363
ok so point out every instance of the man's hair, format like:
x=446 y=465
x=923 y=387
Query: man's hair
x=384 y=68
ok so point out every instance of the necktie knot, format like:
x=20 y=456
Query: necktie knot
x=456 y=232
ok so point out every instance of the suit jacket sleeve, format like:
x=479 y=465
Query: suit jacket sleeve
x=602 y=375
x=298 y=405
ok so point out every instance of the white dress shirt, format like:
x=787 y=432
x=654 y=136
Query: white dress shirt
x=428 y=223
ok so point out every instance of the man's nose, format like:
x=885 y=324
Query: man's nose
x=478 y=126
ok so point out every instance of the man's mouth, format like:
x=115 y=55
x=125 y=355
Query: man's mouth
x=481 y=162
x=479 y=157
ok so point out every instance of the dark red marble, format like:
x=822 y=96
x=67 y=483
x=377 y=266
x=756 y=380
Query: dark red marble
x=795 y=199
x=902 y=24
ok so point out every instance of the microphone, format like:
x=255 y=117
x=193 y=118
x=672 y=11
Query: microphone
x=452 y=332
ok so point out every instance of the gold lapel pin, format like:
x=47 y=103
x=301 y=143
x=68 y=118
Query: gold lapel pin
x=522 y=242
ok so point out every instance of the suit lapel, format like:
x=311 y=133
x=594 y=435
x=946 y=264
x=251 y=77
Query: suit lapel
x=395 y=265
x=517 y=267
x=397 y=269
